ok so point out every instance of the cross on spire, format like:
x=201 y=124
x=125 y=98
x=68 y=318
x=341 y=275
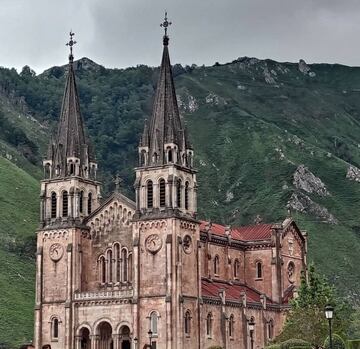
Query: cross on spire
x=165 y=25
x=71 y=43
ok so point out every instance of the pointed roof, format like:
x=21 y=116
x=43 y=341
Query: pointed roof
x=165 y=125
x=71 y=133
x=70 y=139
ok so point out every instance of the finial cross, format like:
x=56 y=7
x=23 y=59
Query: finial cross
x=71 y=43
x=165 y=24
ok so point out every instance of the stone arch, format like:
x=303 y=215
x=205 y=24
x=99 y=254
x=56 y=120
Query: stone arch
x=82 y=326
x=104 y=331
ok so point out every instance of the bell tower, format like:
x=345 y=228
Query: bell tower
x=69 y=193
x=166 y=232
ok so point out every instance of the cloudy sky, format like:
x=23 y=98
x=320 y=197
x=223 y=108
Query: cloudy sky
x=122 y=33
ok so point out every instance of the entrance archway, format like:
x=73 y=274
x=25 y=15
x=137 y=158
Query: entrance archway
x=105 y=336
x=125 y=337
x=85 y=341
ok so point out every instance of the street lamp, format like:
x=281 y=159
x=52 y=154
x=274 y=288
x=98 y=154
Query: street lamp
x=329 y=312
x=150 y=337
x=251 y=330
x=135 y=342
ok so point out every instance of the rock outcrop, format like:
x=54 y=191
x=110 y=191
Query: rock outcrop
x=353 y=173
x=302 y=203
x=305 y=180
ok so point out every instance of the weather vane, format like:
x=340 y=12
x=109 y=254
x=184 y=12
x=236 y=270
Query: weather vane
x=165 y=24
x=71 y=43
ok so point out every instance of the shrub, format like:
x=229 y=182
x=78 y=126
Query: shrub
x=354 y=344
x=295 y=343
x=337 y=342
x=274 y=346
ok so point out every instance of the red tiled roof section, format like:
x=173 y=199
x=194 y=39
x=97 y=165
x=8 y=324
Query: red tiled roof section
x=232 y=292
x=245 y=233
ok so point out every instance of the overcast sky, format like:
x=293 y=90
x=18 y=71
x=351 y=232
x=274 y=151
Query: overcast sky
x=122 y=33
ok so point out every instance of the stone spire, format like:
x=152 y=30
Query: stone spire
x=69 y=152
x=165 y=129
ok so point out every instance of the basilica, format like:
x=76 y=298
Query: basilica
x=149 y=273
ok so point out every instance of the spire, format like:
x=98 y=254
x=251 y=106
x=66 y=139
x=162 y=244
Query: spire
x=70 y=140
x=165 y=125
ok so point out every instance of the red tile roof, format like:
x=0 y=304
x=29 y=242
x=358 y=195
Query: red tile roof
x=245 y=233
x=232 y=292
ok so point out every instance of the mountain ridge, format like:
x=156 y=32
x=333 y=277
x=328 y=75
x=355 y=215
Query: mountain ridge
x=253 y=124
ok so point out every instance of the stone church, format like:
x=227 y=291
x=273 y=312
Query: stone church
x=119 y=274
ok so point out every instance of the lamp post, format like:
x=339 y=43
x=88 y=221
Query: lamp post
x=135 y=340
x=251 y=330
x=329 y=312
x=150 y=337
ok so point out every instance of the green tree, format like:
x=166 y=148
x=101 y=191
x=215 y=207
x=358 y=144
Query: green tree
x=306 y=319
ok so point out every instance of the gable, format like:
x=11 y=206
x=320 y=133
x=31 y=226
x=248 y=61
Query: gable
x=117 y=211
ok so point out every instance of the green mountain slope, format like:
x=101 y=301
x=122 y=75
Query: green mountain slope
x=252 y=124
x=18 y=220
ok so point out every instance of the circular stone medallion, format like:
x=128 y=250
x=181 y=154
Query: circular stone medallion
x=153 y=243
x=56 y=251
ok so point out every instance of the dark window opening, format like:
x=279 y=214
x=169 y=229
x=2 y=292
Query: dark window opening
x=150 y=193
x=55 y=328
x=81 y=202
x=162 y=192
x=178 y=193
x=186 y=195
x=65 y=204
x=53 y=205
x=89 y=203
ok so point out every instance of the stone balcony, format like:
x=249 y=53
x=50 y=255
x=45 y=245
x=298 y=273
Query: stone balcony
x=102 y=295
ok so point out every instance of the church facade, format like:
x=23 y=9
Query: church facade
x=119 y=274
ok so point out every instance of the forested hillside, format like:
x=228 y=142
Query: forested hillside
x=270 y=139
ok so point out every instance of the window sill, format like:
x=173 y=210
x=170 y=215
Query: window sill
x=54 y=339
x=258 y=279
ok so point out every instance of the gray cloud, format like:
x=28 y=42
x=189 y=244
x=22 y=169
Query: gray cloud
x=121 y=33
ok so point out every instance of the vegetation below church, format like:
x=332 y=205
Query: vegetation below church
x=252 y=124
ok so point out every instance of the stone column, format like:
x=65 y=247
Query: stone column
x=78 y=342
x=116 y=340
x=94 y=341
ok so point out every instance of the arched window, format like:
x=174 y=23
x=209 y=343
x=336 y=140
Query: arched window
x=65 y=204
x=124 y=264
x=130 y=268
x=209 y=325
x=109 y=263
x=186 y=195
x=259 y=271
x=178 y=193
x=187 y=322
x=55 y=328
x=117 y=262
x=81 y=201
x=231 y=325
x=72 y=169
x=236 y=269
x=53 y=205
x=150 y=196
x=170 y=155
x=162 y=192
x=102 y=269
x=89 y=206
x=270 y=329
x=154 y=322
x=216 y=265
